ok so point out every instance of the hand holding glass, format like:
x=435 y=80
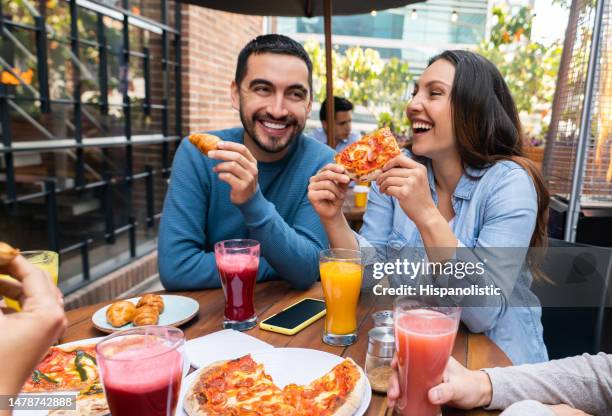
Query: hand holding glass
x=45 y=260
x=424 y=337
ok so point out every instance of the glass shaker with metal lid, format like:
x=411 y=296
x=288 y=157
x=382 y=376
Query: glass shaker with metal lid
x=381 y=346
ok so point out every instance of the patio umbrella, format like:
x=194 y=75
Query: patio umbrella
x=307 y=8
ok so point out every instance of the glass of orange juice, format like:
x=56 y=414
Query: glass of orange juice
x=44 y=260
x=341 y=273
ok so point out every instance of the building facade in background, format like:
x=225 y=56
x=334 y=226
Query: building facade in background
x=412 y=33
x=94 y=98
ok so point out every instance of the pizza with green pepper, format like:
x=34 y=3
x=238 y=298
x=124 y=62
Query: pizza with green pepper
x=70 y=369
x=64 y=368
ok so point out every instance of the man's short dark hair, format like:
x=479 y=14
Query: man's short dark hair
x=340 y=104
x=272 y=43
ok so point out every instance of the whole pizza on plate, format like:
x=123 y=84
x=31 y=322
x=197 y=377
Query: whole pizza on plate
x=364 y=159
x=242 y=387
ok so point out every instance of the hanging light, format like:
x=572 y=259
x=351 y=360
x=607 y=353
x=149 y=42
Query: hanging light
x=373 y=12
x=414 y=14
x=454 y=16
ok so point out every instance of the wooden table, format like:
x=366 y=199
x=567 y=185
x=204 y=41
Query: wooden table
x=473 y=350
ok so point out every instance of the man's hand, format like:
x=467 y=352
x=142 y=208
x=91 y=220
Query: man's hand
x=238 y=169
x=30 y=332
x=565 y=410
x=461 y=388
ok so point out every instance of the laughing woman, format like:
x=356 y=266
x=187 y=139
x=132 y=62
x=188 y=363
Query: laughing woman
x=466 y=184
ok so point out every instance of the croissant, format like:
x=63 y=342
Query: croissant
x=146 y=315
x=204 y=142
x=120 y=313
x=153 y=300
x=7 y=253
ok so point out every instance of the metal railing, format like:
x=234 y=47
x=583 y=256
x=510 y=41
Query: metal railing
x=9 y=104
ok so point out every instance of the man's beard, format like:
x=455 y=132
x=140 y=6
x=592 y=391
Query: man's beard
x=277 y=144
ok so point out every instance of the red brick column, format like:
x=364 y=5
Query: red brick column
x=211 y=43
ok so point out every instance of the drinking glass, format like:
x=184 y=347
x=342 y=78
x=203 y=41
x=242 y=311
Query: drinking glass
x=43 y=259
x=238 y=262
x=341 y=273
x=424 y=338
x=141 y=370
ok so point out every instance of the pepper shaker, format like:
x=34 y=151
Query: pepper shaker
x=381 y=346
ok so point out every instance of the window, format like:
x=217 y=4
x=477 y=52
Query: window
x=88 y=113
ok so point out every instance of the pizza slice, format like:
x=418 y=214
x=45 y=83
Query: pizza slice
x=364 y=159
x=90 y=401
x=338 y=392
x=242 y=387
x=204 y=142
x=7 y=253
x=235 y=387
x=64 y=368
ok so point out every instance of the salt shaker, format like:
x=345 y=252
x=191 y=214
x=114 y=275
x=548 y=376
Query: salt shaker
x=381 y=346
x=383 y=318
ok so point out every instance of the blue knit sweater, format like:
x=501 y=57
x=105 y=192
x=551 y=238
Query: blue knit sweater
x=198 y=213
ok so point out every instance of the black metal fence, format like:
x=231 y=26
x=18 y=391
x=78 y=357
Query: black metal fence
x=63 y=127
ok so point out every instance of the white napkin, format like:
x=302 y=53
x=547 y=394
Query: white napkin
x=222 y=345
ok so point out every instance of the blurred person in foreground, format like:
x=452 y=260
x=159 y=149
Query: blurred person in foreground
x=27 y=334
x=465 y=185
x=575 y=386
x=343 y=120
x=255 y=184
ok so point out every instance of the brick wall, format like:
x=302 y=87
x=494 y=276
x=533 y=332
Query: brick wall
x=211 y=43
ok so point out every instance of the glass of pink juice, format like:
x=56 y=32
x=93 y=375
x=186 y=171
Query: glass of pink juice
x=424 y=338
x=141 y=370
x=238 y=262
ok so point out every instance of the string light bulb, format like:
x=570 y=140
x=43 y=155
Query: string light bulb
x=373 y=13
x=454 y=16
x=414 y=14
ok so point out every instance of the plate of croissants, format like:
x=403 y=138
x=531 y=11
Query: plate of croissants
x=149 y=309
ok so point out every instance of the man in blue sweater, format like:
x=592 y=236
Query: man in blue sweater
x=255 y=184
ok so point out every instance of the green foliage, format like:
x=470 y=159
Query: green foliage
x=529 y=68
x=361 y=76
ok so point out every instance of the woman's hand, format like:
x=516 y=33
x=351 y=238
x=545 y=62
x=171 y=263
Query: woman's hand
x=461 y=388
x=406 y=180
x=327 y=190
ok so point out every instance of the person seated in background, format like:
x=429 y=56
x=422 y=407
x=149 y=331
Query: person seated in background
x=343 y=110
x=566 y=387
x=27 y=334
x=254 y=184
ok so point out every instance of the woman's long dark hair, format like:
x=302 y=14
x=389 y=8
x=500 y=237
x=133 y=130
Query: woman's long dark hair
x=487 y=127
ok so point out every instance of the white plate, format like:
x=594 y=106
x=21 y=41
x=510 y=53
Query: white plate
x=289 y=365
x=186 y=367
x=205 y=350
x=177 y=311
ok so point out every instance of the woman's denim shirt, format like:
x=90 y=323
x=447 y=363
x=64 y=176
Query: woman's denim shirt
x=496 y=210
